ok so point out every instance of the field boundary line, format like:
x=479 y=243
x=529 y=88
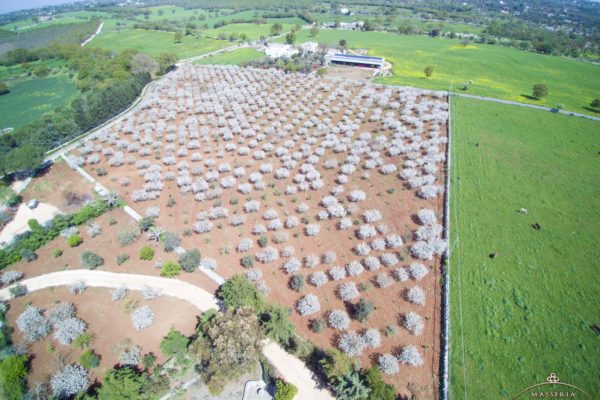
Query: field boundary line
x=445 y=295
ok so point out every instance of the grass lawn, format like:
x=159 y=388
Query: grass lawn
x=154 y=43
x=29 y=99
x=495 y=71
x=235 y=57
x=527 y=312
x=253 y=31
x=16 y=71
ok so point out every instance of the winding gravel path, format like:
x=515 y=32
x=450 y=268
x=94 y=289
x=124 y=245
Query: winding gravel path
x=291 y=368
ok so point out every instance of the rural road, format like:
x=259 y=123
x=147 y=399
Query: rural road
x=516 y=103
x=291 y=368
x=94 y=35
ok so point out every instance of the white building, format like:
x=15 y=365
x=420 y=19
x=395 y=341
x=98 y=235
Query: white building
x=308 y=47
x=278 y=50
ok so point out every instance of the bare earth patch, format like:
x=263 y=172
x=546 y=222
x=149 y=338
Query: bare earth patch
x=108 y=321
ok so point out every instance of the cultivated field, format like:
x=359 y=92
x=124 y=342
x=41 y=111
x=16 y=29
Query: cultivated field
x=235 y=57
x=495 y=71
x=29 y=99
x=155 y=43
x=290 y=175
x=530 y=310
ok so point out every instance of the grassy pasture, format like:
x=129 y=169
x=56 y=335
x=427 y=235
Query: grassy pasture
x=17 y=71
x=253 y=31
x=529 y=311
x=29 y=99
x=495 y=71
x=235 y=57
x=154 y=43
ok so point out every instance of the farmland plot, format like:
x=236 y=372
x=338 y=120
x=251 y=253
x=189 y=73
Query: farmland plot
x=328 y=195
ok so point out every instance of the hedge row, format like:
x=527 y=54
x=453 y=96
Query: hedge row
x=40 y=235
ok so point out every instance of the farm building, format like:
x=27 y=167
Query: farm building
x=278 y=50
x=357 y=60
x=309 y=47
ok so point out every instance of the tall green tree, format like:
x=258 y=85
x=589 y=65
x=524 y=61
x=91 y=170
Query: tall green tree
x=540 y=90
x=174 y=343
x=13 y=375
x=121 y=383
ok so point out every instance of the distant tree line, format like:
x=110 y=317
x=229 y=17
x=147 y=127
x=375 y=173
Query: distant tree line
x=109 y=85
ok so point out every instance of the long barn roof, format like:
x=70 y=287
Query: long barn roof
x=353 y=58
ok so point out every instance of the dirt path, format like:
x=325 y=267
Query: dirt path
x=291 y=368
x=94 y=35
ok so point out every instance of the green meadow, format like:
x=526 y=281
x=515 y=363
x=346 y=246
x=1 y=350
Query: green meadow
x=529 y=311
x=494 y=70
x=29 y=99
x=253 y=31
x=235 y=57
x=154 y=43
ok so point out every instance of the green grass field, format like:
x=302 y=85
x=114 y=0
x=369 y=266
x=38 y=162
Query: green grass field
x=253 y=31
x=495 y=71
x=154 y=43
x=16 y=71
x=29 y=99
x=235 y=57
x=527 y=312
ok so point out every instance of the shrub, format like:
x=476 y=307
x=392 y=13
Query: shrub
x=292 y=265
x=146 y=253
x=122 y=258
x=284 y=390
x=130 y=357
x=89 y=359
x=142 y=318
x=190 y=260
x=312 y=229
x=247 y=261
x=416 y=295
x=28 y=255
x=362 y=310
x=170 y=269
x=426 y=216
x=401 y=274
x=94 y=230
x=410 y=355
x=413 y=323
x=145 y=223
x=126 y=238
x=269 y=254
x=372 y=338
x=244 y=245
x=9 y=277
x=174 y=343
x=91 y=260
x=69 y=381
x=317 y=325
x=337 y=273
x=148 y=360
x=352 y=344
x=384 y=281
x=118 y=293
x=33 y=324
x=263 y=241
x=347 y=291
x=18 y=290
x=67 y=330
x=389 y=364
x=308 y=304
x=318 y=279
x=297 y=282
x=74 y=240
x=237 y=291
x=150 y=293
x=354 y=268
x=77 y=287
x=171 y=241
x=418 y=271
x=13 y=375
x=338 y=319
x=57 y=253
